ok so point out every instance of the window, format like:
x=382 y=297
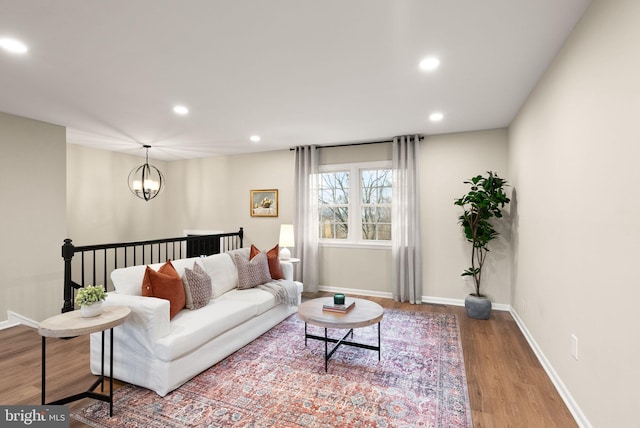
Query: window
x=354 y=202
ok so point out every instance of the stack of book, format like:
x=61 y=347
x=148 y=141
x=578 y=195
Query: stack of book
x=343 y=309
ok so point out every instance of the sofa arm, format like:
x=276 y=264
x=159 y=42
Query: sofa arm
x=287 y=269
x=149 y=318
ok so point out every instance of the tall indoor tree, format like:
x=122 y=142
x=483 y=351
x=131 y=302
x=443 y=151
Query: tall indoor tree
x=481 y=204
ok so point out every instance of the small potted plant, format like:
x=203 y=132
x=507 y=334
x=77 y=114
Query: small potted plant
x=90 y=298
x=483 y=203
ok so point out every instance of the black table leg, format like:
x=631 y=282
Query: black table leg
x=378 y=341
x=44 y=371
x=326 y=347
x=90 y=392
x=339 y=342
x=111 y=367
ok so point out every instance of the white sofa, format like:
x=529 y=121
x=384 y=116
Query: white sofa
x=161 y=354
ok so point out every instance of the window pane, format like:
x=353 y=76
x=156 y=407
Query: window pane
x=334 y=231
x=384 y=232
x=327 y=230
x=376 y=195
x=383 y=215
x=333 y=197
x=342 y=231
x=326 y=215
x=385 y=195
x=368 y=231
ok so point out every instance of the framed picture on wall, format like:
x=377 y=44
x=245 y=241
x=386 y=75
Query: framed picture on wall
x=264 y=203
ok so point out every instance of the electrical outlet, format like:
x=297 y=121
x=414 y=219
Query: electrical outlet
x=574 y=346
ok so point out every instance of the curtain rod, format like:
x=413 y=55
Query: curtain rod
x=420 y=137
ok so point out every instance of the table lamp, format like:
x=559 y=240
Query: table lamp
x=286 y=240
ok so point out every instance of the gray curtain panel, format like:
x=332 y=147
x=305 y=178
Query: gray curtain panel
x=306 y=216
x=406 y=267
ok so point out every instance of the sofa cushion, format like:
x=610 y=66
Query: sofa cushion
x=191 y=329
x=197 y=287
x=261 y=299
x=252 y=273
x=273 y=258
x=165 y=284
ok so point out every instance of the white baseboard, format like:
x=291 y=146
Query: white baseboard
x=575 y=410
x=356 y=291
x=425 y=299
x=14 y=319
x=442 y=301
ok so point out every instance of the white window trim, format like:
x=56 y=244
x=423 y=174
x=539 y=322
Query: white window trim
x=354 y=205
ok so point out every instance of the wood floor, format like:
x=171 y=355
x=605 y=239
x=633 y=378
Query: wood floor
x=507 y=385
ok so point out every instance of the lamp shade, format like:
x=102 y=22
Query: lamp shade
x=286 y=236
x=286 y=240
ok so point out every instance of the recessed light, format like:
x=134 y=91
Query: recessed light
x=429 y=64
x=13 y=46
x=436 y=117
x=181 y=110
x=255 y=138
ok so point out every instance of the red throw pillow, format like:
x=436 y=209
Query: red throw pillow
x=165 y=284
x=273 y=259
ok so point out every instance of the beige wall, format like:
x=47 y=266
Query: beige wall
x=574 y=151
x=201 y=200
x=214 y=194
x=446 y=162
x=32 y=190
x=100 y=206
x=268 y=170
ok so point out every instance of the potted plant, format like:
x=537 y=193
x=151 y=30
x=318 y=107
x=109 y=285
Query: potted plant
x=481 y=204
x=90 y=298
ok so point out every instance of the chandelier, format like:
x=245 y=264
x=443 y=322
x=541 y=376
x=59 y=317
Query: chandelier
x=146 y=180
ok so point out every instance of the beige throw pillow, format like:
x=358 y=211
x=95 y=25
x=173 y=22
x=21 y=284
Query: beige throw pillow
x=197 y=287
x=252 y=273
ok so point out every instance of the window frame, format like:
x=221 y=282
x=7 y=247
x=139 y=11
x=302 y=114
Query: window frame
x=355 y=205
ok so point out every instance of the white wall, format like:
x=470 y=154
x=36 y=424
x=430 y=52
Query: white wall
x=574 y=151
x=32 y=226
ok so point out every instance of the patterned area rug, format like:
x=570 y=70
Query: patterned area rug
x=276 y=382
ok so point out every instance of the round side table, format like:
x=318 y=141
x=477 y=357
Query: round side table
x=71 y=324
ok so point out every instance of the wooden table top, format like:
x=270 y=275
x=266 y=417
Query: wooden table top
x=70 y=324
x=363 y=314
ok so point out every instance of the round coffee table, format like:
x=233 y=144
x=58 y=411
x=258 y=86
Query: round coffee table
x=364 y=313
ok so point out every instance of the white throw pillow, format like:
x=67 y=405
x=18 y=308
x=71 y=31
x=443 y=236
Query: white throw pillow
x=223 y=273
x=129 y=280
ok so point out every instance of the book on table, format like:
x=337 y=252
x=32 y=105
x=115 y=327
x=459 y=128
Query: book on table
x=343 y=309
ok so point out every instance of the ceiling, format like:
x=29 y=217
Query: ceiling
x=294 y=72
